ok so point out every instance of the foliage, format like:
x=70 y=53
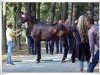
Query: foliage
x=44 y=10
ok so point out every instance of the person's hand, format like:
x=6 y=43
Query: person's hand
x=18 y=30
x=90 y=59
x=19 y=34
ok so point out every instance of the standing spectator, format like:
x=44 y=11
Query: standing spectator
x=47 y=44
x=10 y=34
x=84 y=53
x=52 y=42
x=93 y=35
x=30 y=41
x=61 y=46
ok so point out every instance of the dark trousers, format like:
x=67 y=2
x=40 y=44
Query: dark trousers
x=47 y=44
x=52 y=45
x=61 y=45
x=94 y=62
x=31 y=47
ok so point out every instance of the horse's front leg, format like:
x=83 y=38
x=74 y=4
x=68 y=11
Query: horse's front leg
x=65 y=45
x=38 y=50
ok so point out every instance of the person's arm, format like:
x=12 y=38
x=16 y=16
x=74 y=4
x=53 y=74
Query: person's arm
x=16 y=31
x=15 y=35
x=18 y=34
x=91 y=42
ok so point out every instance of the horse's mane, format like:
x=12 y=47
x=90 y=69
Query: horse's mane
x=33 y=19
x=54 y=24
x=36 y=21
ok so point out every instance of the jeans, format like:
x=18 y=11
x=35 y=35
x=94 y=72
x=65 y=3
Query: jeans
x=47 y=44
x=9 y=51
x=52 y=45
x=94 y=62
x=81 y=64
x=30 y=44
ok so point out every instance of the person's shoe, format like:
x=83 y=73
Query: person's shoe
x=57 y=52
x=10 y=64
x=60 y=52
x=81 y=70
x=51 y=53
x=34 y=53
x=46 y=52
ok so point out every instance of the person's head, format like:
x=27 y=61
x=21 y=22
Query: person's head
x=82 y=28
x=10 y=25
x=89 y=22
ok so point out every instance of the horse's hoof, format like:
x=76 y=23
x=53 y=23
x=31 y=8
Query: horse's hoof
x=37 y=61
x=62 y=61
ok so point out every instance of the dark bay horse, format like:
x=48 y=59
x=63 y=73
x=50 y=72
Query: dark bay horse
x=42 y=32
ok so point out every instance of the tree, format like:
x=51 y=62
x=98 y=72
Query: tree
x=38 y=11
x=65 y=16
x=74 y=14
x=51 y=14
x=33 y=9
x=70 y=13
x=15 y=11
x=18 y=16
x=91 y=9
x=28 y=8
x=4 y=46
x=59 y=13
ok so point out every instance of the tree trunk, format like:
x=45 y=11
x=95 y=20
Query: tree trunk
x=18 y=16
x=14 y=11
x=38 y=11
x=65 y=16
x=59 y=15
x=33 y=7
x=28 y=8
x=4 y=46
x=91 y=9
x=74 y=15
x=70 y=13
x=52 y=13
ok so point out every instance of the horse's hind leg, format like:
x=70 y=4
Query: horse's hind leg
x=38 y=50
x=65 y=45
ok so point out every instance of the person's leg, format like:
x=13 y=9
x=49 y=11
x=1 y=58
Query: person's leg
x=94 y=62
x=29 y=44
x=81 y=65
x=51 y=46
x=60 y=46
x=9 y=52
x=57 y=45
x=32 y=46
x=46 y=44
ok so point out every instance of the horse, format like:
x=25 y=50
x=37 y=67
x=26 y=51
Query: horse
x=41 y=31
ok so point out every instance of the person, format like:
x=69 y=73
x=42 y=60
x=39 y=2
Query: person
x=84 y=53
x=93 y=35
x=47 y=45
x=60 y=41
x=30 y=41
x=10 y=34
x=52 y=42
x=61 y=46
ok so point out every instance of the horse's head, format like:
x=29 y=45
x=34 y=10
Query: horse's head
x=26 y=18
x=23 y=19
